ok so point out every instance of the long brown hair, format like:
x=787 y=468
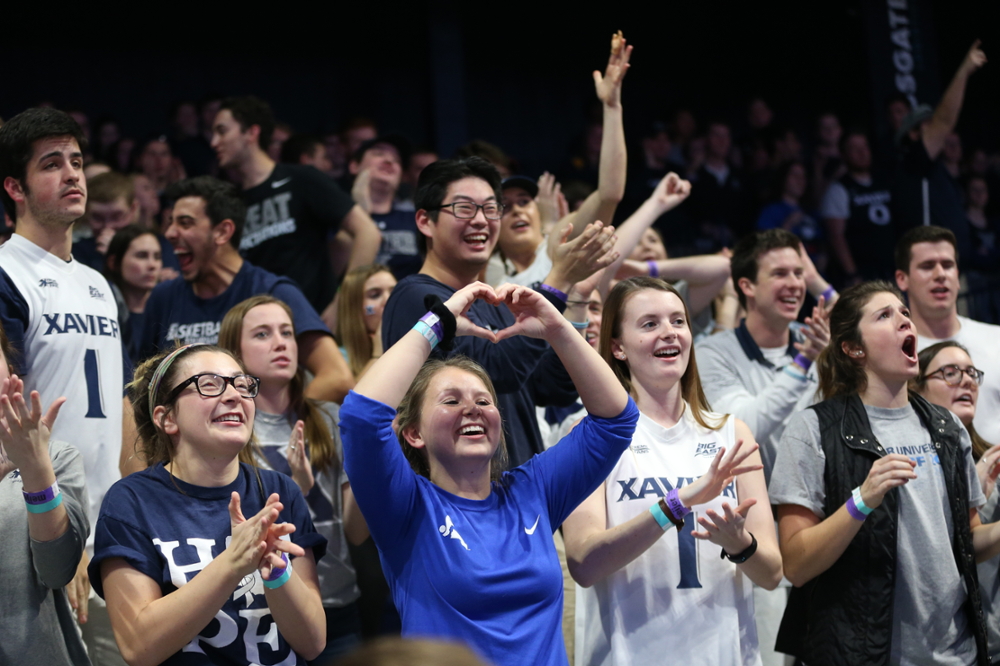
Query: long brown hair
x=322 y=452
x=351 y=331
x=840 y=374
x=919 y=385
x=611 y=329
x=409 y=412
x=154 y=445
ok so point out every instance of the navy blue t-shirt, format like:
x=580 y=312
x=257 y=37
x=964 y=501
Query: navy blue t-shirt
x=399 y=250
x=170 y=530
x=173 y=312
x=525 y=371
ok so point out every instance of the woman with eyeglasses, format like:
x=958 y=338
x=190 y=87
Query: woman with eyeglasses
x=877 y=494
x=949 y=379
x=194 y=554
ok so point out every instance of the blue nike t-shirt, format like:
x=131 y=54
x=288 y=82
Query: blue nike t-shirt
x=170 y=530
x=482 y=571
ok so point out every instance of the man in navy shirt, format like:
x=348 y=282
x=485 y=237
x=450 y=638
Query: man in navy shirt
x=205 y=228
x=525 y=371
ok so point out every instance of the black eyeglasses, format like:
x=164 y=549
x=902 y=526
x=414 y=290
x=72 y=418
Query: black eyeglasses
x=210 y=385
x=952 y=374
x=466 y=210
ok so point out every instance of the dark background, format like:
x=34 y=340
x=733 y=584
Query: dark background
x=443 y=73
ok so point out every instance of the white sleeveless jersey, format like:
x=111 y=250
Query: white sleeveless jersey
x=678 y=602
x=71 y=347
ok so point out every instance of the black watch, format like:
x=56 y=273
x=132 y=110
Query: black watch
x=740 y=558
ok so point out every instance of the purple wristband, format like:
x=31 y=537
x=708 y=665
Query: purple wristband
x=434 y=322
x=278 y=573
x=829 y=293
x=802 y=362
x=654 y=270
x=675 y=505
x=41 y=496
x=853 y=510
x=561 y=295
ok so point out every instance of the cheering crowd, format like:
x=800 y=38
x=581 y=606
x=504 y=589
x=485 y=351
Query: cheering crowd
x=268 y=395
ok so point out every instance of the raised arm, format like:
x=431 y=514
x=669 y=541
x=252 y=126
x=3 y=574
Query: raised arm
x=946 y=114
x=365 y=237
x=390 y=377
x=332 y=379
x=601 y=204
x=601 y=393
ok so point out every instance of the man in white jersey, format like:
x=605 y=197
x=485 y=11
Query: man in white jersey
x=927 y=270
x=61 y=316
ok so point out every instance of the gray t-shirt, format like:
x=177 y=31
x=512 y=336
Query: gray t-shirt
x=337 y=584
x=989 y=579
x=929 y=625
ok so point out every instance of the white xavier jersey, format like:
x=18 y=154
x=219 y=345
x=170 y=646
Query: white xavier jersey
x=62 y=318
x=678 y=602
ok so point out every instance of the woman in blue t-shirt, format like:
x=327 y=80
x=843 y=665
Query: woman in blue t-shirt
x=467 y=547
x=192 y=554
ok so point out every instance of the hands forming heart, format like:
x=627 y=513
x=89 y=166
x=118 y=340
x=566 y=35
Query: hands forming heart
x=535 y=316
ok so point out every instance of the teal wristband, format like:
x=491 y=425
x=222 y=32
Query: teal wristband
x=859 y=503
x=580 y=325
x=44 y=508
x=425 y=330
x=660 y=517
x=280 y=580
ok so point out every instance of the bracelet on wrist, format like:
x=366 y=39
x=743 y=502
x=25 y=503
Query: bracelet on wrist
x=558 y=293
x=654 y=270
x=660 y=516
x=580 y=325
x=43 y=501
x=744 y=555
x=279 y=577
x=829 y=293
x=664 y=508
x=676 y=507
x=859 y=502
x=802 y=361
x=446 y=321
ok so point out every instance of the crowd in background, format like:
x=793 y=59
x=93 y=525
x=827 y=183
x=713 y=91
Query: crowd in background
x=306 y=257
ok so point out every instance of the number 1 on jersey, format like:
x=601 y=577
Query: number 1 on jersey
x=95 y=401
x=687 y=549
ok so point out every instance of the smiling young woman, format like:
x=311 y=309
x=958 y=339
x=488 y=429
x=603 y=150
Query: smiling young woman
x=174 y=541
x=866 y=484
x=642 y=582
x=452 y=526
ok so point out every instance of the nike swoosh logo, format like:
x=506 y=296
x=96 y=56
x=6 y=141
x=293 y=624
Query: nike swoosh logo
x=278 y=183
x=532 y=530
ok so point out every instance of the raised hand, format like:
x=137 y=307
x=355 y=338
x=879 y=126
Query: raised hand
x=24 y=433
x=609 y=86
x=816 y=331
x=302 y=473
x=975 y=58
x=256 y=542
x=727 y=530
x=578 y=259
x=671 y=191
x=547 y=200
x=462 y=300
x=534 y=315
x=726 y=466
x=887 y=472
x=988 y=470
x=361 y=192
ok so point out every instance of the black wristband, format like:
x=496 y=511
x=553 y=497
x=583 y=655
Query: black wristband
x=740 y=558
x=434 y=304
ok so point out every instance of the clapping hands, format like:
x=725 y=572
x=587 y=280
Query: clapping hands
x=256 y=543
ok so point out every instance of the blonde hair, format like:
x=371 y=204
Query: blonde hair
x=351 y=331
x=322 y=451
x=611 y=328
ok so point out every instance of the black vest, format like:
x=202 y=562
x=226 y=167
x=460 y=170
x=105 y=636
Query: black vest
x=844 y=616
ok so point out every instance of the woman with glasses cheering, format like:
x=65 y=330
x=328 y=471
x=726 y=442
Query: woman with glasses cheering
x=193 y=555
x=948 y=378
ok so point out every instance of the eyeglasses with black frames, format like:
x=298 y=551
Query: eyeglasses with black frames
x=211 y=385
x=952 y=374
x=467 y=210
